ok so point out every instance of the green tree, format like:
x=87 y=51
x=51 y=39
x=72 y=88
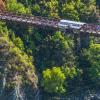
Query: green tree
x=53 y=80
x=13 y=5
x=69 y=11
x=36 y=9
x=70 y=73
x=93 y=56
x=54 y=51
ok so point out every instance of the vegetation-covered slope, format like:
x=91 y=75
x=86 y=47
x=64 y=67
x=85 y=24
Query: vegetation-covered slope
x=16 y=62
x=60 y=69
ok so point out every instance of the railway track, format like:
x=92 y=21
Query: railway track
x=31 y=20
x=45 y=22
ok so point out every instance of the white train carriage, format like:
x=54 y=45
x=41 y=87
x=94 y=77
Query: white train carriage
x=67 y=24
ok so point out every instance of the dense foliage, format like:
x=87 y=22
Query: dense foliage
x=18 y=63
x=53 y=80
x=57 y=51
x=20 y=44
x=13 y=6
x=70 y=9
x=93 y=57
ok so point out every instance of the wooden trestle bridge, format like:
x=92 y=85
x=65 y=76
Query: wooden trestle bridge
x=84 y=32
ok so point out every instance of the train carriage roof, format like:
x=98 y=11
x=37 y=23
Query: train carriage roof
x=73 y=22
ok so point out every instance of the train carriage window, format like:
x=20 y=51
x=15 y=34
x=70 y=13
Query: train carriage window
x=64 y=23
x=77 y=25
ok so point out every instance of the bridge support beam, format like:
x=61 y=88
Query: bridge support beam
x=76 y=43
x=84 y=40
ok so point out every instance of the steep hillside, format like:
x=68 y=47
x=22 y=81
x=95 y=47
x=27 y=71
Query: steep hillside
x=43 y=64
x=16 y=67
